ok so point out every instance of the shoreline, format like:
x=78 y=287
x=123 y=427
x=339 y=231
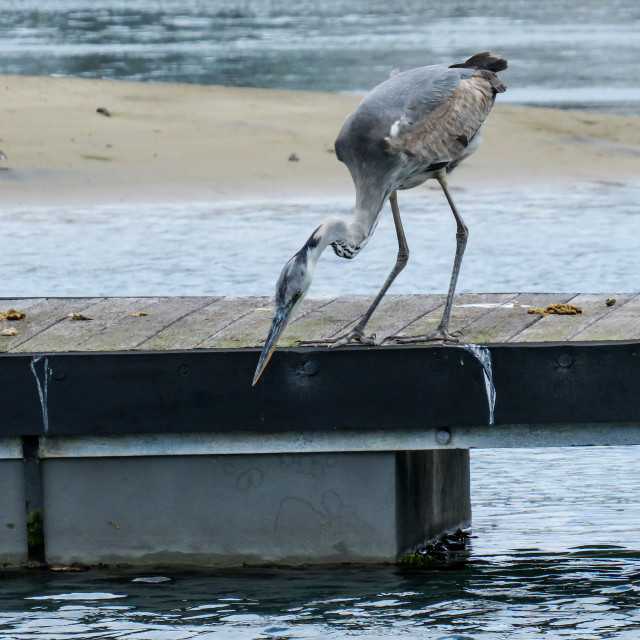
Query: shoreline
x=176 y=143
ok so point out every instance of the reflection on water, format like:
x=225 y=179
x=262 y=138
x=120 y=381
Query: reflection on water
x=578 y=240
x=565 y=53
x=551 y=597
x=554 y=597
x=546 y=501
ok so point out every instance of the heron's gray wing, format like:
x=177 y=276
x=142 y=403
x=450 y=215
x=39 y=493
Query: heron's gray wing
x=441 y=115
x=411 y=94
x=423 y=90
x=400 y=102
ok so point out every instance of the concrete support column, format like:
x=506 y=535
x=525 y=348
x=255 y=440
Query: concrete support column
x=225 y=510
x=433 y=495
x=13 y=520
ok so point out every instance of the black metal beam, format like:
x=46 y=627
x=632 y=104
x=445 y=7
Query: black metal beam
x=309 y=388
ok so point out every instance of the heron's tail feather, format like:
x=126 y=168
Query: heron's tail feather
x=484 y=60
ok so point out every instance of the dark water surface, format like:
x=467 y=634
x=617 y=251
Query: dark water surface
x=572 y=53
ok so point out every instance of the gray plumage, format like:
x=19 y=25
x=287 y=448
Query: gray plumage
x=416 y=125
x=437 y=112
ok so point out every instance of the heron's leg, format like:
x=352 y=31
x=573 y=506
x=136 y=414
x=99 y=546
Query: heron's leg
x=357 y=333
x=401 y=262
x=462 y=233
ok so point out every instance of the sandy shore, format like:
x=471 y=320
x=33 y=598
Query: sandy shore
x=165 y=142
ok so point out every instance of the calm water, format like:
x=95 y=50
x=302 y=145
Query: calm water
x=582 y=239
x=565 y=53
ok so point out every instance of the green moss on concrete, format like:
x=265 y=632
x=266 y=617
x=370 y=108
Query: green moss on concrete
x=417 y=560
x=35 y=529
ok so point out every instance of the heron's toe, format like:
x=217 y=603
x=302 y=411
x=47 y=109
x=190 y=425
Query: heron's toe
x=369 y=340
x=438 y=334
x=354 y=336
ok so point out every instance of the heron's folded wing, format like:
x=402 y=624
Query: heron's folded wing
x=442 y=115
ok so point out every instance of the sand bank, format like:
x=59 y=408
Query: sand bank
x=168 y=142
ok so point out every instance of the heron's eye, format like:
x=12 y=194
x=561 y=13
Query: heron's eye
x=297 y=294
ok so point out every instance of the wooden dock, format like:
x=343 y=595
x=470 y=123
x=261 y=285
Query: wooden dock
x=130 y=429
x=174 y=365
x=223 y=323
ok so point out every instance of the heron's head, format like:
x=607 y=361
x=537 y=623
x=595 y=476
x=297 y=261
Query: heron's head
x=292 y=287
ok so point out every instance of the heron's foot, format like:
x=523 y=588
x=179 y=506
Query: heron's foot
x=439 y=334
x=355 y=335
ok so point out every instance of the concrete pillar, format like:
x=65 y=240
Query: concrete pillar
x=13 y=529
x=433 y=495
x=224 y=510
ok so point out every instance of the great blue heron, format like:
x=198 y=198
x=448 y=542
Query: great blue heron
x=416 y=125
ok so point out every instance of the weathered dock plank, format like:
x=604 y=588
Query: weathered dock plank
x=23 y=303
x=88 y=335
x=621 y=323
x=341 y=314
x=230 y=311
x=41 y=316
x=132 y=329
x=220 y=322
x=474 y=313
x=327 y=321
x=467 y=309
x=251 y=329
x=399 y=311
x=505 y=325
x=188 y=331
x=559 y=328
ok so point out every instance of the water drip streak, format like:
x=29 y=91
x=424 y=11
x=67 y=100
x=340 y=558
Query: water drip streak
x=483 y=356
x=43 y=388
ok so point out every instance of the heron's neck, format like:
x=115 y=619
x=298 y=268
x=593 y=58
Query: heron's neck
x=347 y=238
x=332 y=230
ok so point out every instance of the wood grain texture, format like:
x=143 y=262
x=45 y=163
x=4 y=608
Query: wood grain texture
x=173 y=323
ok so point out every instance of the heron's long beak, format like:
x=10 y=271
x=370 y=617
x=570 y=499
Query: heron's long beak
x=280 y=320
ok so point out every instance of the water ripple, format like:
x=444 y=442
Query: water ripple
x=559 y=53
x=552 y=597
x=583 y=239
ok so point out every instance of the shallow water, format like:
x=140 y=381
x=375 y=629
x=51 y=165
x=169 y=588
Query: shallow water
x=556 y=555
x=585 y=239
x=565 y=53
